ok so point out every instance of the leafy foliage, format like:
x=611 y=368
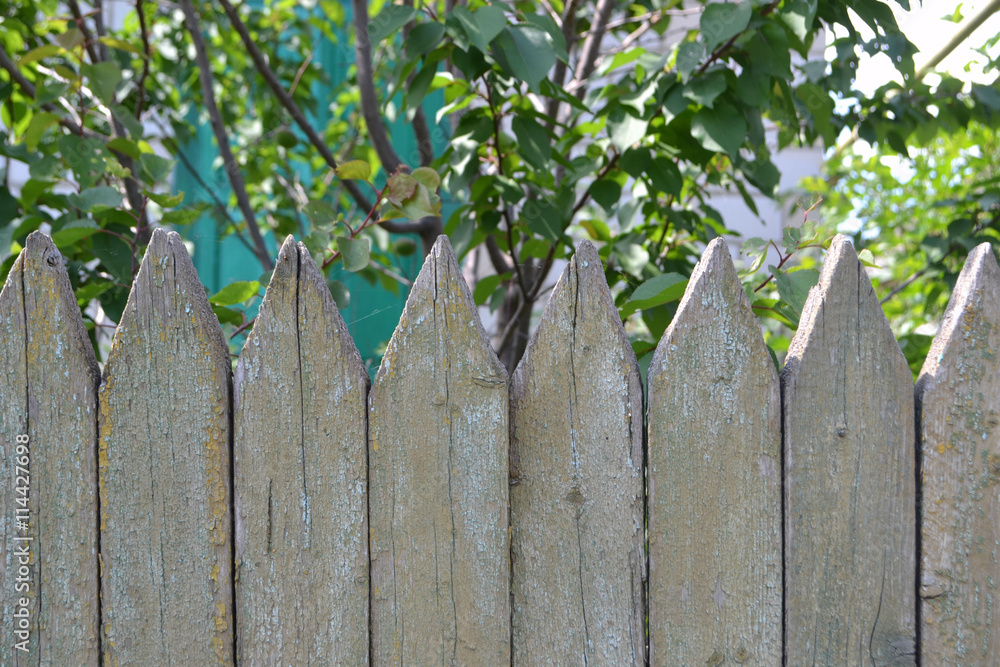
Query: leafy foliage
x=563 y=119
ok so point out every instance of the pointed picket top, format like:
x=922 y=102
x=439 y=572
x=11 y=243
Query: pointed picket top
x=849 y=476
x=958 y=403
x=438 y=482
x=164 y=471
x=714 y=479
x=578 y=561
x=300 y=408
x=49 y=400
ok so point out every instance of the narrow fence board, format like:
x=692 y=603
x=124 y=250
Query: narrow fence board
x=49 y=396
x=714 y=480
x=13 y=423
x=300 y=478
x=958 y=403
x=438 y=439
x=850 y=503
x=578 y=554
x=166 y=584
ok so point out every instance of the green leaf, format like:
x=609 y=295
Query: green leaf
x=723 y=20
x=166 y=200
x=423 y=38
x=401 y=188
x=794 y=286
x=104 y=78
x=154 y=168
x=102 y=196
x=689 y=56
x=115 y=255
x=74 y=231
x=664 y=176
x=525 y=53
x=227 y=315
x=486 y=286
x=491 y=21
x=389 y=20
x=125 y=146
x=182 y=216
x=355 y=169
x=625 y=129
x=428 y=177
x=119 y=44
x=319 y=212
x=49 y=168
x=868 y=259
x=421 y=83
x=39 y=123
x=606 y=192
x=91 y=290
x=534 y=144
x=704 y=89
x=339 y=292
x=655 y=292
x=354 y=252
x=235 y=293
x=39 y=53
x=720 y=129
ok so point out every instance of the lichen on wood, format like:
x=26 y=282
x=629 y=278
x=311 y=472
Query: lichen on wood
x=579 y=566
x=300 y=479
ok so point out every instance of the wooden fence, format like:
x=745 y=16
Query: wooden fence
x=173 y=512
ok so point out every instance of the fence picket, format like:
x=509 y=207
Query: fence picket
x=438 y=490
x=300 y=393
x=578 y=561
x=166 y=585
x=56 y=380
x=714 y=479
x=849 y=475
x=958 y=404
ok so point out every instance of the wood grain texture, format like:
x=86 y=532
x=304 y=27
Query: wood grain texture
x=438 y=439
x=714 y=480
x=57 y=375
x=13 y=422
x=850 y=538
x=578 y=555
x=958 y=407
x=164 y=470
x=300 y=478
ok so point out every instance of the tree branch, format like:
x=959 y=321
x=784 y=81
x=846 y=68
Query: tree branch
x=229 y=162
x=366 y=86
x=592 y=44
x=88 y=38
x=286 y=101
x=141 y=83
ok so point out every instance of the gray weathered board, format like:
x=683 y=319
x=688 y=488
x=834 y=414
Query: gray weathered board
x=438 y=438
x=958 y=403
x=300 y=479
x=850 y=527
x=578 y=557
x=164 y=472
x=714 y=480
x=49 y=393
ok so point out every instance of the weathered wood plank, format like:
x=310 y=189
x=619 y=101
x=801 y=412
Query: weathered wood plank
x=714 y=480
x=14 y=423
x=850 y=522
x=958 y=407
x=164 y=472
x=57 y=375
x=438 y=487
x=578 y=555
x=300 y=478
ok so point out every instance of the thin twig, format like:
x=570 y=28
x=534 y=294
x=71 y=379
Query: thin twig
x=229 y=163
x=88 y=38
x=389 y=273
x=141 y=83
x=286 y=101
